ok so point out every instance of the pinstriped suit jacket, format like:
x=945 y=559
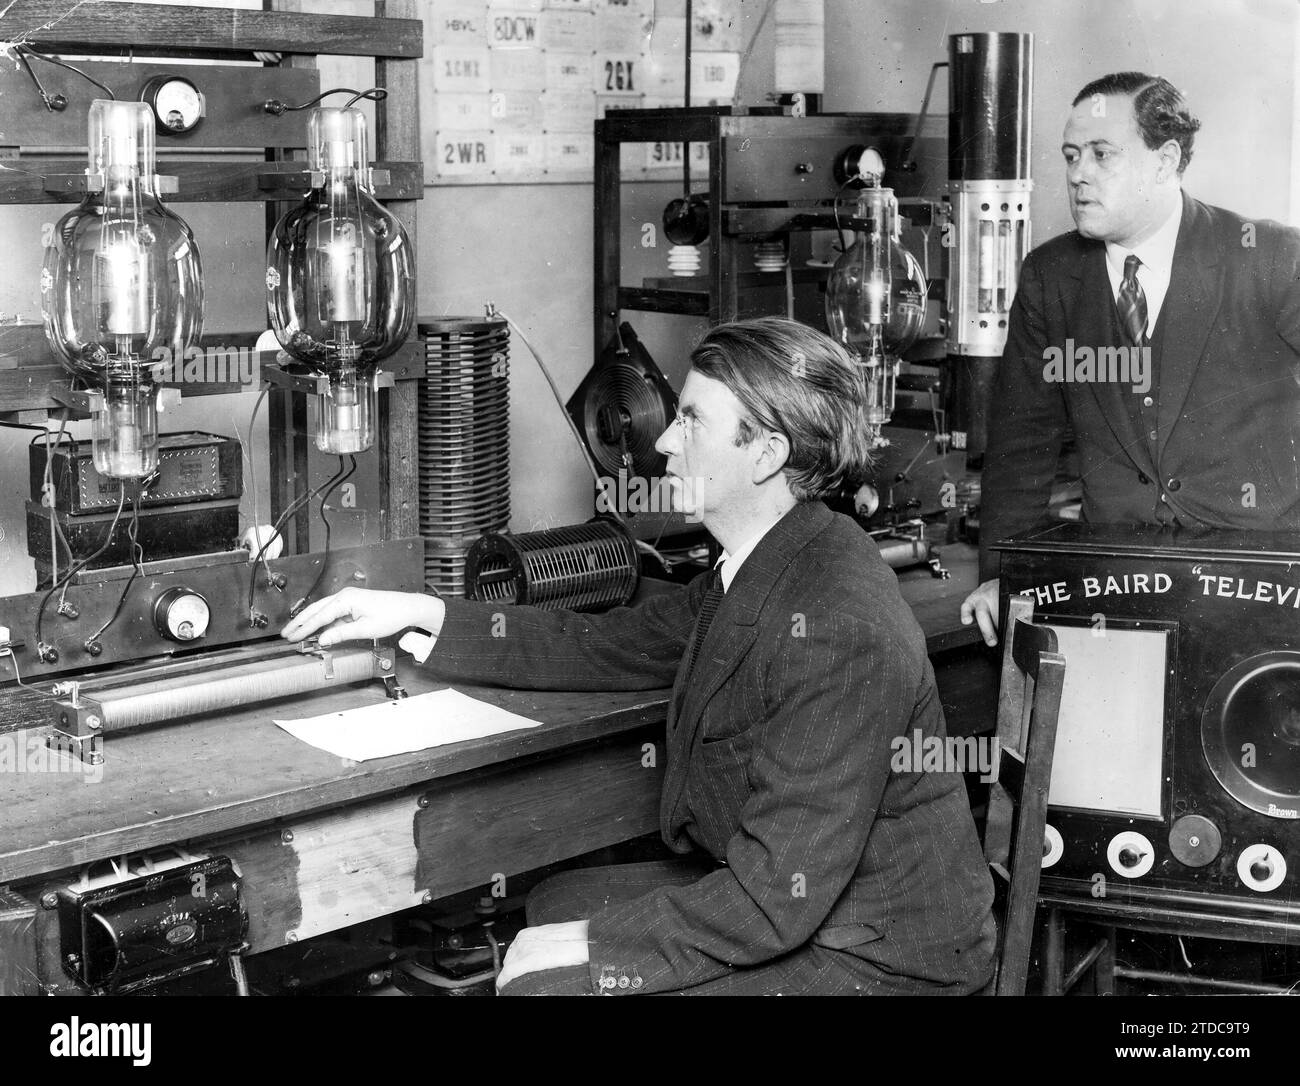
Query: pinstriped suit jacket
x=779 y=764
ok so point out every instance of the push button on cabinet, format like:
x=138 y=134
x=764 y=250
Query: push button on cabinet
x=1147 y=401
x=1173 y=486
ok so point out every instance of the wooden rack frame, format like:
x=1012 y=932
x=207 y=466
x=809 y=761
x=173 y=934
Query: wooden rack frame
x=249 y=157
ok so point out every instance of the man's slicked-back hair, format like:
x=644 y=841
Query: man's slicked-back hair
x=798 y=382
x=1158 y=105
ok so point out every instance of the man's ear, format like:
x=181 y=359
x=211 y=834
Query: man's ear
x=1171 y=157
x=773 y=452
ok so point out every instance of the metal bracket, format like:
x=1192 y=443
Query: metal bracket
x=83 y=403
x=60 y=183
x=311 y=383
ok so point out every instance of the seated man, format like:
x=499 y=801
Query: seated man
x=795 y=665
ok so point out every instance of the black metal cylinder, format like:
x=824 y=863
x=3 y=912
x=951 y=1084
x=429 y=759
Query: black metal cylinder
x=990 y=82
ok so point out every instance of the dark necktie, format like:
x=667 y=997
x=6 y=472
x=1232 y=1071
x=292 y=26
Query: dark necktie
x=1132 y=304
x=708 y=608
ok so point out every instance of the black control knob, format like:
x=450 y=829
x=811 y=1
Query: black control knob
x=1129 y=856
x=1262 y=869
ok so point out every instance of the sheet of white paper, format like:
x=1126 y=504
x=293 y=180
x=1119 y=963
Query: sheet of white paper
x=410 y=724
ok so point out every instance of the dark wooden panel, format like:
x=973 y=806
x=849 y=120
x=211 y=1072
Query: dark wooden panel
x=528 y=816
x=656 y=126
x=30 y=388
x=59 y=181
x=161 y=28
x=18 y=958
x=234 y=97
x=967 y=679
x=399 y=461
x=691 y=303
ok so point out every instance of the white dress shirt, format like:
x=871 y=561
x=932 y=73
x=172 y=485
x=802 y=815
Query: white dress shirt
x=731 y=561
x=1157 y=256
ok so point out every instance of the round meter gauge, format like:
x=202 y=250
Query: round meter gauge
x=177 y=104
x=181 y=614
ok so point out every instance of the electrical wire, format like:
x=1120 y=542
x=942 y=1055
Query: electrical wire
x=76 y=568
x=749 y=49
x=275 y=107
x=582 y=445
x=48 y=496
x=18 y=677
x=835 y=208
x=137 y=559
x=53 y=103
x=21 y=48
x=297 y=607
x=641 y=544
x=276 y=529
x=246 y=449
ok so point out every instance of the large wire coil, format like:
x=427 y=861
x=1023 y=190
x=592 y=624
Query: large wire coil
x=581 y=567
x=464 y=442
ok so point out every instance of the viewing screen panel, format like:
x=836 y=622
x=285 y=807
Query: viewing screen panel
x=1108 y=741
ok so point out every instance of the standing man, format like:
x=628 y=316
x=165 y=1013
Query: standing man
x=1163 y=331
x=797 y=670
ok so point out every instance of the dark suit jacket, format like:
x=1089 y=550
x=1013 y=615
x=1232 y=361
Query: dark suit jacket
x=1226 y=411
x=778 y=763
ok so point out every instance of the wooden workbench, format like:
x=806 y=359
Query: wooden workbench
x=324 y=843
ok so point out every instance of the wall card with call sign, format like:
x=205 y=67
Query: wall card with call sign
x=510 y=88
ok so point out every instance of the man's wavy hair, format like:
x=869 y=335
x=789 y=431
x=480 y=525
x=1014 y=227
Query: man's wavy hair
x=798 y=382
x=1158 y=105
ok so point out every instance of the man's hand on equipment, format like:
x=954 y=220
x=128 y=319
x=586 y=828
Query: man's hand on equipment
x=547 y=946
x=982 y=606
x=362 y=614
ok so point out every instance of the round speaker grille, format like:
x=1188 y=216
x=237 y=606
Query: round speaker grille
x=1250 y=730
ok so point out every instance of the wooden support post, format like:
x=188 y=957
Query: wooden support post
x=397 y=131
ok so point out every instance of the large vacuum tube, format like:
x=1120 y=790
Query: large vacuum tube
x=340 y=281
x=989 y=78
x=122 y=288
x=875 y=297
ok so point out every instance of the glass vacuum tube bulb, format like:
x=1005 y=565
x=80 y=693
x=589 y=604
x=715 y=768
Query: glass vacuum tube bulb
x=875 y=298
x=125 y=433
x=122 y=287
x=340 y=281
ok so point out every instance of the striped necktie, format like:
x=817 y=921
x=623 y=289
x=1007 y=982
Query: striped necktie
x=1132 y=304
x=708 y=609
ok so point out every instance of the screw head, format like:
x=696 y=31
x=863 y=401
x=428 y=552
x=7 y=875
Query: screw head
x=428 y=897
x=385 y=664
x=423 y=802
x=93 y=722
x=286 y=836
x=290 y=936
x=49 y=901
x=359 y=575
